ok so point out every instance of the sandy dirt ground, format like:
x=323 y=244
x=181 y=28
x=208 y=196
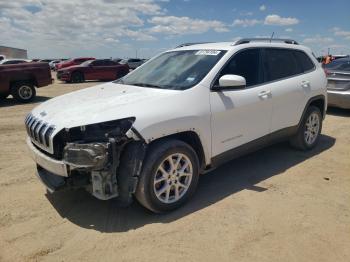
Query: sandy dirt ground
x=273 y=205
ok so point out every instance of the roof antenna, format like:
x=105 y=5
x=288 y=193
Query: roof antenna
x=272 y=36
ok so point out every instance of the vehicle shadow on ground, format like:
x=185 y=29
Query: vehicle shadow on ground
x=12 y=102
x=338 y=112
x=243 y=173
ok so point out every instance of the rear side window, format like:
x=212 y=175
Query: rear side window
x=109 y=63
x=98 y=63
x=280 y=63
x=304 y=60
x=247 y=64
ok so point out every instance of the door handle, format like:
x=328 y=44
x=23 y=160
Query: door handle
x=305 y=84
x=264 y=94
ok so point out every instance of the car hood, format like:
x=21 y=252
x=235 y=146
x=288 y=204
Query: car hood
x=102 y=103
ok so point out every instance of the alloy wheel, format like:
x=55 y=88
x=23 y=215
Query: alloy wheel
x=173 y=178
x=312 y=128
x=25 y=92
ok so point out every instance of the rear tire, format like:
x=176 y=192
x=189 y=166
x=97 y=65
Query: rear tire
x=23 y=92
x=164 y=186
x=77 y=77
x=309 y=130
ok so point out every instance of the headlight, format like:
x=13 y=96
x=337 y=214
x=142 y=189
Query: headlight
x=93 y=155
x=99 y=131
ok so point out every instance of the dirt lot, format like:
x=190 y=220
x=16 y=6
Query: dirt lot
x=274 y=205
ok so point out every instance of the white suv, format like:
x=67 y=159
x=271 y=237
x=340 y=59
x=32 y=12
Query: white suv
x=184 y=112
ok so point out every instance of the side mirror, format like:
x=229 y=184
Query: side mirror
x=231 y=82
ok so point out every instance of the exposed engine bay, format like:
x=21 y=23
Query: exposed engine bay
x=104 y=158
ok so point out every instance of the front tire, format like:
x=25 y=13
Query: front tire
x=169 y=176
x=309 y=130
x=23 y=92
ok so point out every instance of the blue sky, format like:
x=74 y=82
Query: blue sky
x=119 y=28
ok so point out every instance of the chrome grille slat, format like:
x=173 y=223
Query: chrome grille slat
x=36 y=130
x=32 y=129
x=30 y=124
x=40 y=132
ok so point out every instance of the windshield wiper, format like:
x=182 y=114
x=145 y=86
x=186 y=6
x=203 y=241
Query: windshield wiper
x=145 y=85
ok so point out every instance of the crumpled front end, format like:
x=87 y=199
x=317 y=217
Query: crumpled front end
x=104 y=158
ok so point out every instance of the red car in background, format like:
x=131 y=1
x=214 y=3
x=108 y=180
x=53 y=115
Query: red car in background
x=99 y=69
x=72 y=62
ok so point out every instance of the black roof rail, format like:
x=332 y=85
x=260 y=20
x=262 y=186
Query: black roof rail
x=189 y=44
x=248 y=40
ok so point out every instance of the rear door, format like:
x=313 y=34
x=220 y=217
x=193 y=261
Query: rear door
x=289 y=86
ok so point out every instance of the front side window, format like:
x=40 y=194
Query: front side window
x=280 y=63
x=178 y=70
x=247 y=64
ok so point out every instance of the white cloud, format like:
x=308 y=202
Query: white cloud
x=246 y=22
x=280 y=21
x=173 y=25
x=342 y=33
x=318 y=39
x=111 y=40
x=87 y=27
x=262 y=8
x=289 y=30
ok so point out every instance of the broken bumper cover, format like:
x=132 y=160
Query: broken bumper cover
x=54 y=166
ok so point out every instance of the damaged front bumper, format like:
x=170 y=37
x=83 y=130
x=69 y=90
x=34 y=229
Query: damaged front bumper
x=106 y=169
x=56 y=167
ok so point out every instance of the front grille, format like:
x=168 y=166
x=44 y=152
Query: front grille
x=40 y=132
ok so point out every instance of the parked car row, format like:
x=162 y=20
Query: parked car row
x=95 y=69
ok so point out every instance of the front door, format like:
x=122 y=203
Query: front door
x=241 y=115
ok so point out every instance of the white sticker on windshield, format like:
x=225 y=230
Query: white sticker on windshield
x=208 y=52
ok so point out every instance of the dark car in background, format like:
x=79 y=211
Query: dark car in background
x=72 y=62
x=99 y=69
x=338 y=88
x=133 y=63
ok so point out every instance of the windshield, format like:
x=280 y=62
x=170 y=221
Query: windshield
x=178 y=70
